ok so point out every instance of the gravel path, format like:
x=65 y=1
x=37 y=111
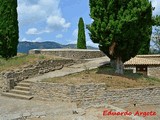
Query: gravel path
x=92 y=64
x=13 y=109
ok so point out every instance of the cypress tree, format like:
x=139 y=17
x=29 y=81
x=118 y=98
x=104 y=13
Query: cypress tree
x=8 y=28
x=145 y=48
x=81 y=42
x=120 y=27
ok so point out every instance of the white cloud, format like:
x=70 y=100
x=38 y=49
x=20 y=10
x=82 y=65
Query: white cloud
x=88 y=40
x=59 y=36
x=29 y=13
x=34 y=31
x=57 y=22
x=75 y=33
x=38 y=39
x=41 y=12
x=90 y=43
x=24 y=39
x=73 y=40
x=155 y=3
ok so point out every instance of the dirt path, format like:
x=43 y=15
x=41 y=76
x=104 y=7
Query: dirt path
x=92 y=64
x=15 y=109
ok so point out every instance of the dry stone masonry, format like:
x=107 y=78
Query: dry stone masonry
x=154 y=71
x=87 y=94
x=83 y=94
x=11 y=78
x=70 y=53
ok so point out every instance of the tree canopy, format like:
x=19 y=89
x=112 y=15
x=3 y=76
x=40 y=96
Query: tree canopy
x=8 y=28
x=120 y=27
x=81 y=41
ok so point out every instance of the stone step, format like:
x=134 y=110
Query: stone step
x=23 y=84
x=13 y=95
x=26 y=81
x=21 y=88
x=21 y=92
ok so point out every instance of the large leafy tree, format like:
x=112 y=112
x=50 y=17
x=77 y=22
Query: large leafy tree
x=120 y=27
x=145 y=48
x=8 y=28
x=81 y=41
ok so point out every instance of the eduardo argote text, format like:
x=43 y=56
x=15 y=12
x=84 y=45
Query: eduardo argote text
x=128 y=113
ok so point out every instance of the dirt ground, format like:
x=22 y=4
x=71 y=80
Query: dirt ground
x=98 y=113
x=94 y=113
x=105 y=75
x=147 y=108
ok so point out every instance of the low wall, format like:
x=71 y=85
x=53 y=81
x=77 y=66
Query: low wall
x=87 y=94
x=69 y=53
x=141 y=96
x=11 y=78
x=154 y=71
x=132 y=68
x=1 y=82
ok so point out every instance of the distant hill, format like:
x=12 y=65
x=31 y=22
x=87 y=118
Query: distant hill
x=75 y=46
x=24 y=47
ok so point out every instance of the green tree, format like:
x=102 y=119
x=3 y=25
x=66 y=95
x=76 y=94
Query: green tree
x=145 y=48
x=120 y=27
x=156 y=20
x=81 y=41
x=8 y=28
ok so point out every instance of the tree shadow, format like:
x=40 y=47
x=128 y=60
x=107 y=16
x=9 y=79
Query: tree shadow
x=108 y=70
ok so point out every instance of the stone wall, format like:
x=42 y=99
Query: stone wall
x=1 y=82
x=154 y=71
x=87 y=94
x=68 y=92
x=140 y=96
x=12 y=77
x=132 y=68
x=69 y=53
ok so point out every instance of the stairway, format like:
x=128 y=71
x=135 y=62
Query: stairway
x=21 y=91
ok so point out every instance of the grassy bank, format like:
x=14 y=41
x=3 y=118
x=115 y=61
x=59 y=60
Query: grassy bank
x=22 y=60
x=106 y=75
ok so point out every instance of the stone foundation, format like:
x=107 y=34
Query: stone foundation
x=11 y=78
x=154 y=71
x=69 y=53
x=88 y=94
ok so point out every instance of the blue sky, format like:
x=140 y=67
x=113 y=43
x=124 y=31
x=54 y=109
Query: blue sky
x=55 y=20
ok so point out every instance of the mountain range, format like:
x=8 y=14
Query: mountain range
x=25 y=46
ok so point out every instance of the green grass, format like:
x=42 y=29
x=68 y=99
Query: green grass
x=151 y=79
x=19 y=60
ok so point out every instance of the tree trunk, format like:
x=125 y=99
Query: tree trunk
x=119 y=66
x=113 y=63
